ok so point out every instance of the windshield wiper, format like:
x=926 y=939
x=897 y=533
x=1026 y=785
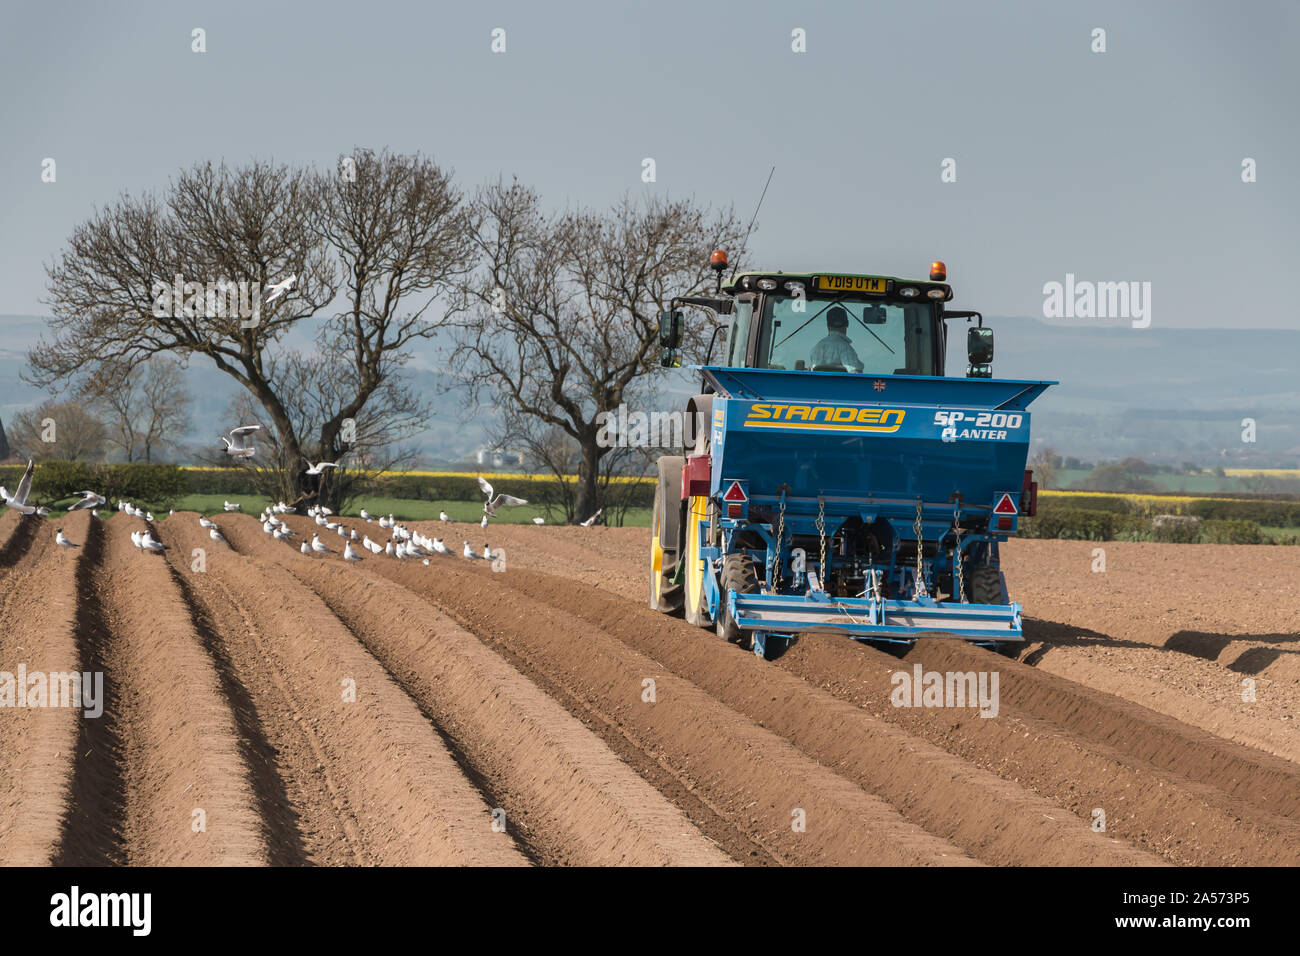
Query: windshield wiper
x=810 y=318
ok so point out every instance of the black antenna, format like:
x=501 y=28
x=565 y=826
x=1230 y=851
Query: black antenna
x=751 y=221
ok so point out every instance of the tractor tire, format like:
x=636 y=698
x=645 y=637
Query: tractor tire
x=739 y=572
x=983 y=585
x=666 y=596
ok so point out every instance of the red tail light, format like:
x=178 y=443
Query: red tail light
x=1029 y=494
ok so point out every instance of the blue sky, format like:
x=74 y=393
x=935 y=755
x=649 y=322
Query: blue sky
x=1123 y=165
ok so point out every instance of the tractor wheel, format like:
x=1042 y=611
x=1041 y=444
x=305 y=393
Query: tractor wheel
x=983 y=585
x=695 y=605
x=665 y=561
x=739 y=572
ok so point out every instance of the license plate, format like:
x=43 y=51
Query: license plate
x=865 y=284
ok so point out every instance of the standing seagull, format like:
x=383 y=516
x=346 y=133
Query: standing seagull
x=88 y=500
x=62 y=539
x=443 y=516
x=349 y=554
x=491 y=505
x=237 y=445
x=18 y=500
x=281 y=287
x=320 y=546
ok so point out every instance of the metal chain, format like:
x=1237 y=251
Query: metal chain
x=956 y=549
x=821 y=530
x=920 y=568
x=780 y=541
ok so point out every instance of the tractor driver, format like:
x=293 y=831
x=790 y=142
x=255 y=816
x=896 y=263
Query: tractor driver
x=836 y=349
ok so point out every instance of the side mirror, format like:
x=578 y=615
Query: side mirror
x=670 y=329
x=979 y=351
x=671 y=358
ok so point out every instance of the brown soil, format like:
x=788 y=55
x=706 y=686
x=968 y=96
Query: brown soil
x=548 y=698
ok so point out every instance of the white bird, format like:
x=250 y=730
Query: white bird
x=280 y=288
x=206 y=523
x=389 y=549
x=483 y=523
x=62 y=539
x=349 y=554
x=18 y=500
x=320 y=546
x=487 y=551
x=148 y=516
x=282 y=534
x=88 y=500
x=150 y=543
x=469 y=552
x=231 y=505
x=440 y=547
x=135 y=539
x=491 y=505
x=237 y=445
x=215 y=534
x=353 y=534
x=539 y=521
x=320 y=466
x=343 y=532
x=365 y=515
x=306 y=548
x=443 y=516
x=592 y=520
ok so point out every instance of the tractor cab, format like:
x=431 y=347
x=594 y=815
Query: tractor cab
x=832 y=322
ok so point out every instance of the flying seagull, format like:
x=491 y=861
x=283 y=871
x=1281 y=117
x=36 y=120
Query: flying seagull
x=89 y=500
x=491 y=505
x=320 y=466
x=281 y=287
x=18 y=500
x=592 y=520
x=237 y=445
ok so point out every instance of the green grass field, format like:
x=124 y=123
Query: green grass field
x=1068 y=480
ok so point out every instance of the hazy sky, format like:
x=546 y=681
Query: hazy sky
x=1123 y=165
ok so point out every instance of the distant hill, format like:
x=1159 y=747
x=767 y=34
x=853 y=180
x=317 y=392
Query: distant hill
x=1166 y=395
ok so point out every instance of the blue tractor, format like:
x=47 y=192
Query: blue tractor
x=835 y=480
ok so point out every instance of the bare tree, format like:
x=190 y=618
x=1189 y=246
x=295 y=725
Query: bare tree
x=385 y=235
x=63 y=430
x=147 y=405
x=562 y=317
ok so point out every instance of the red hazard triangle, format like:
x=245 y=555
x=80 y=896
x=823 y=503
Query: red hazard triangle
x=1005 y=506
x=735 y=493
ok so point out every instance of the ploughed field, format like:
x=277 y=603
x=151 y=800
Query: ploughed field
x=265 y=707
